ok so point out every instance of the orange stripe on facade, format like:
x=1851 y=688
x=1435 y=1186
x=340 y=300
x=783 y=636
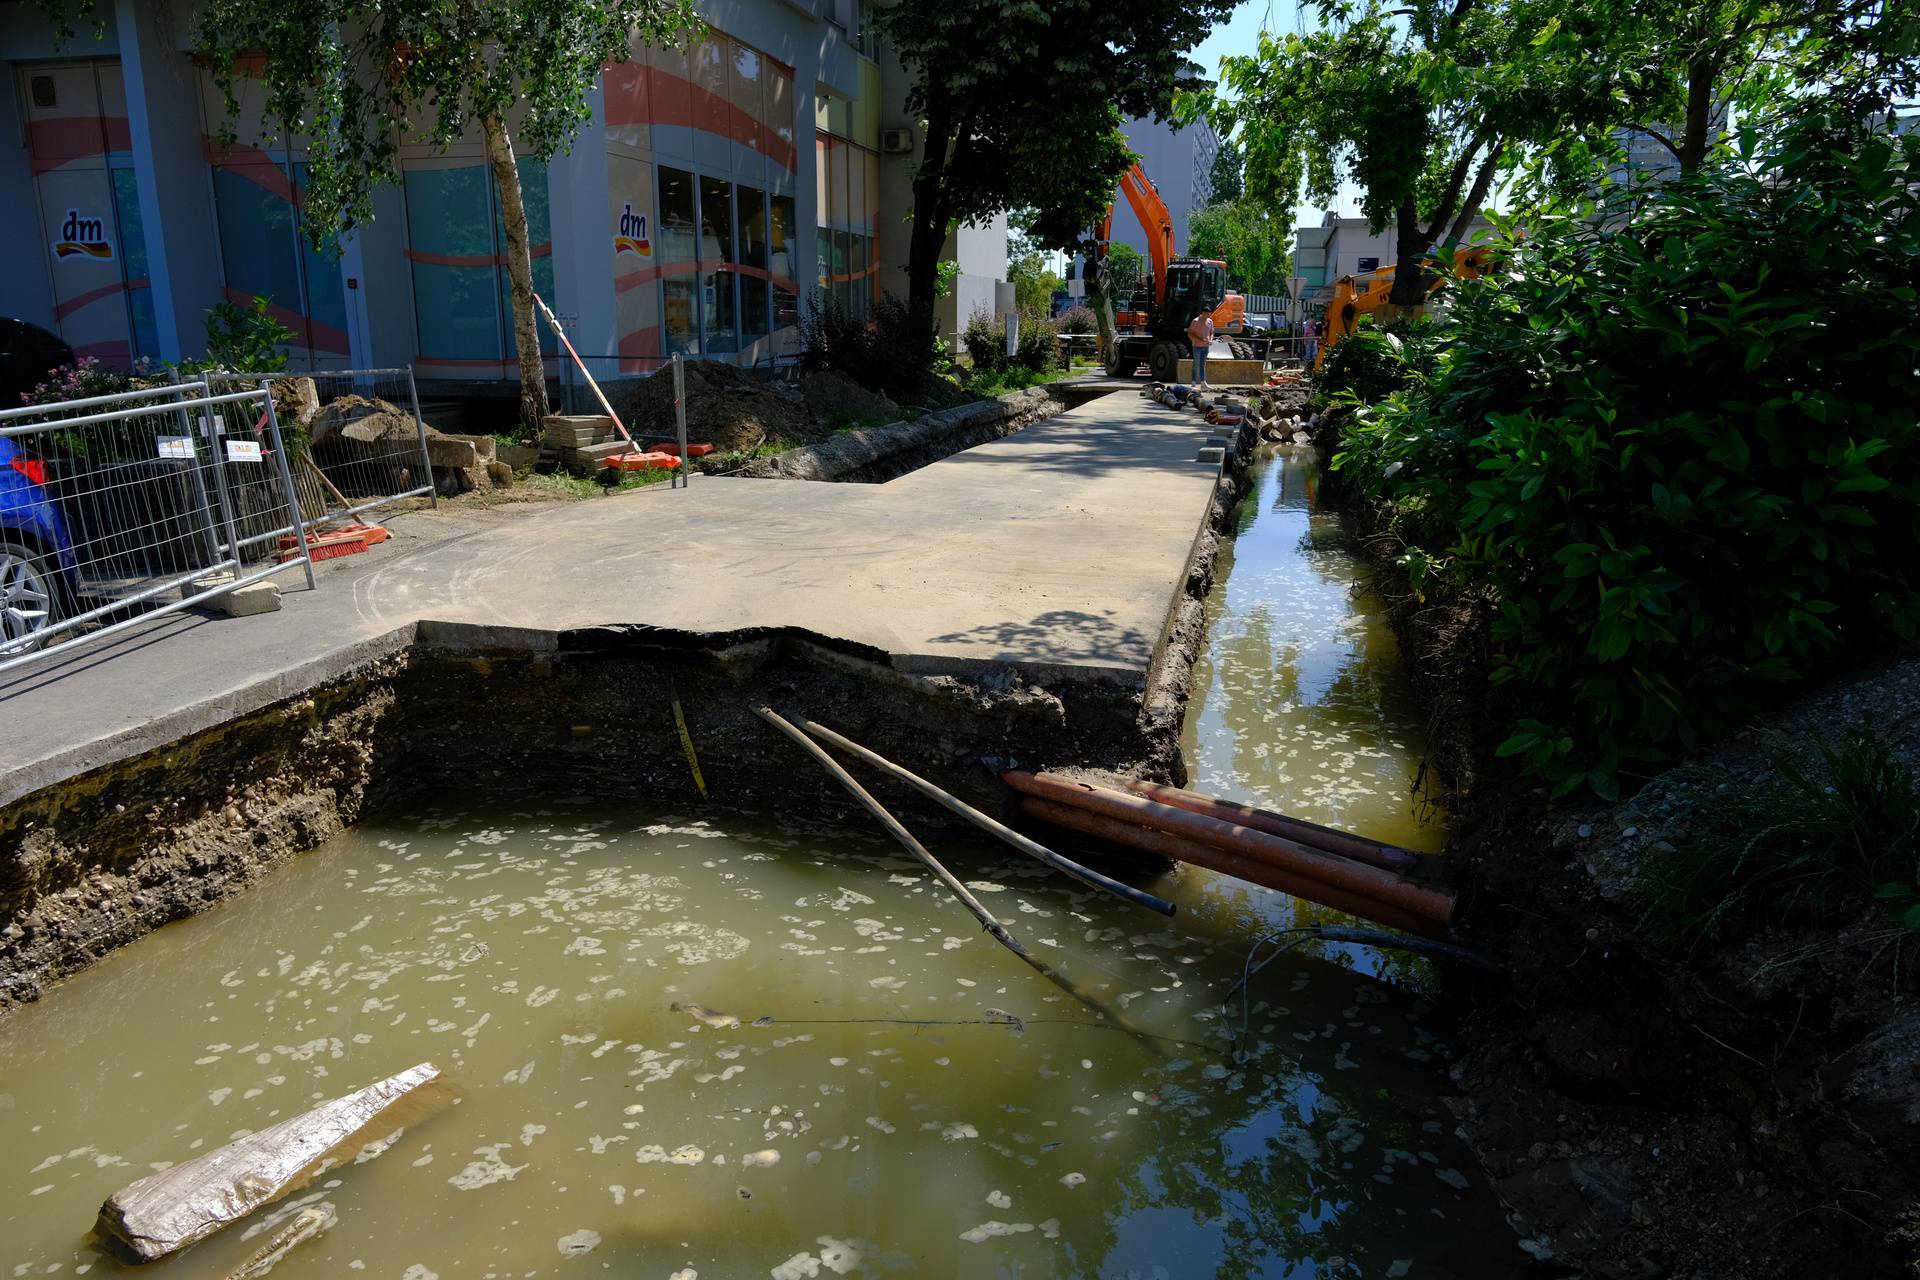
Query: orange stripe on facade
x=322 y=337
x=472 y=260
x=255 y=166
x=66 y=139
x=643 y=95
x=68 y=306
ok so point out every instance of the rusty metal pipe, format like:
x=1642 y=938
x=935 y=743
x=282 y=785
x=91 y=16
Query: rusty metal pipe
x=1181 y=849
x=1286 y=855
x=1312 y=834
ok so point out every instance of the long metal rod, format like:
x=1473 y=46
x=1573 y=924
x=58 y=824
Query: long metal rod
x=900 y=833
x=120 y=415
x=682 y=477
x=420 y=430
x=598 y=394
x=88 y=402
x=1033 y=848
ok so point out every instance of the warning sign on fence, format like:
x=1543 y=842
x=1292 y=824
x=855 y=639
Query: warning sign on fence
x=243 y=451
x=174 y=446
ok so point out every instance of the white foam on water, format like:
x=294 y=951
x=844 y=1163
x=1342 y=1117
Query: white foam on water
x=487 y=1170
x=579 y=1242
x=988 y=1230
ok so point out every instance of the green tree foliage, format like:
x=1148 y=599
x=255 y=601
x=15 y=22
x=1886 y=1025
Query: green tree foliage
x=1033 y=281
x=359 y=80
x=1421 y=103
x=1245 y=235
x=247 y=339
x=1125 y=269
x=1682 y=463
x=1021 y=105
x=1225 y=181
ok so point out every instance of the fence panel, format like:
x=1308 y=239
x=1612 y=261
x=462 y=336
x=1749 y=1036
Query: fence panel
x=114 y=508
x=359 y=441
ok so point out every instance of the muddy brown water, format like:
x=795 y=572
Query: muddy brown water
x=855 y=1080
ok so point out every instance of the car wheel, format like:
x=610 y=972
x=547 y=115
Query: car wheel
x=29 y=601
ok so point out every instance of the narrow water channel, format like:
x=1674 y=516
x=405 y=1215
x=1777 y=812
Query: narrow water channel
x=869 y=1085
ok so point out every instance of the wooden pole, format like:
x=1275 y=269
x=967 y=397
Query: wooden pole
x=1033 y=848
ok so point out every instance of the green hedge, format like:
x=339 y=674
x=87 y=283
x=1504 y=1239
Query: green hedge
x=1678 y=448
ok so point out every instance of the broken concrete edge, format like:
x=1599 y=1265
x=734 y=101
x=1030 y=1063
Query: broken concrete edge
x=850 y=453
x=1183 y=632
x=27 y=777
x=97 y=861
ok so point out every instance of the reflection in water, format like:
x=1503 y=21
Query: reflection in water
x=856 y=1080
x=1299 y=702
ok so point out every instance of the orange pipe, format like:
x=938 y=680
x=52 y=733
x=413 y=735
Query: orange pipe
x=1276 y=851
x=1311 y=834
x=1229 y=864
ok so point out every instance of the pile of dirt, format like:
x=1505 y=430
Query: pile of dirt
x=727 y=407
x=363 y=421
x=833 y=397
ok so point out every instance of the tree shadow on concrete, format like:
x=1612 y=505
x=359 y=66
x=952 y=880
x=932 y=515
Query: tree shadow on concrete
x=1061 y=635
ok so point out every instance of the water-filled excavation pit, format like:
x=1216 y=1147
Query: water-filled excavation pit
x=744 y=1037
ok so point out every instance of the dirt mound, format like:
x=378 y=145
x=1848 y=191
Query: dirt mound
x=727 y=407
x=832 y=396
x=361 y=420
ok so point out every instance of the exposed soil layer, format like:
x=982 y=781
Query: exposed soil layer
x=874 y=455
x=95 y=862
x=1751 y=1109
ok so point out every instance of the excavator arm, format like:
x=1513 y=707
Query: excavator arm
x=1156 y=219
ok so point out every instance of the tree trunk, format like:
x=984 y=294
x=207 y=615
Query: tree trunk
x=526 y=326
x=1410 y=249
x=929 y=234
x=1476 y=196
x=1693 y=142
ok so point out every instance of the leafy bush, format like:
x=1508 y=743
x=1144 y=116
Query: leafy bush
x=1040 y=347
x=888 y=353
x=985 y=339
x=1809 y=845
x=247 y=340
x=1077 y=319
x=1679 y=450
x=1375 y=361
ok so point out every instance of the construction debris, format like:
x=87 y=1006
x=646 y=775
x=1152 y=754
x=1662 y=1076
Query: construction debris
x=168 y=1211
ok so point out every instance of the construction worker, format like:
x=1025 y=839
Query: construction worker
x=1200 y=334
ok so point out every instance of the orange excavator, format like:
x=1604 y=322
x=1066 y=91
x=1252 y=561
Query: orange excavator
x=1177 y=290
x=1356 y=296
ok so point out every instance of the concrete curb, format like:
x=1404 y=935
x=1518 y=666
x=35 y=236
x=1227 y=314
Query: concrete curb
x=884 y=452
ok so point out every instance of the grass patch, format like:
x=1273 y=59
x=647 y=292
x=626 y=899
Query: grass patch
x=999 y=382
x=1811 y=845
x=848 y=420
x=561 y=484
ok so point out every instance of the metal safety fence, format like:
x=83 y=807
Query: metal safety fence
x=359 y=440
x=118 y=507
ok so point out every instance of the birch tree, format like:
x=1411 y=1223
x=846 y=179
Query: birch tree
x=358 y=79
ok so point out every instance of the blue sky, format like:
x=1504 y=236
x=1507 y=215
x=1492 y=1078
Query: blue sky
x=1237 y=35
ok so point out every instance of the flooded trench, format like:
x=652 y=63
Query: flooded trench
x=868 y=1084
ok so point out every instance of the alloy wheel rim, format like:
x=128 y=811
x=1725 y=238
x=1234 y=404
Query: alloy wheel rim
x=25 y=601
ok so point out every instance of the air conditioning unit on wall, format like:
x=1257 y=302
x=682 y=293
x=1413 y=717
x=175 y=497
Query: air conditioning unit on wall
x=896 y=142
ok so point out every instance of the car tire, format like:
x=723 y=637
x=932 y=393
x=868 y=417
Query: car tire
x=29 y=598
x=1164 y=360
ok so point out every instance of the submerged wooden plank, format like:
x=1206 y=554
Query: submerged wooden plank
x=164 y=1213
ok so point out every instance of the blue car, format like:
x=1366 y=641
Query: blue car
x=39 y=572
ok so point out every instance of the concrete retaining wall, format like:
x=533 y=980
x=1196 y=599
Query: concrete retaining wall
x=881 y=453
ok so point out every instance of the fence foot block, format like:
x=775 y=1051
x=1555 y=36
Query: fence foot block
x=255 y=597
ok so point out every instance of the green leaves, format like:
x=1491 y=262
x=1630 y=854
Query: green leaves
x=1680 y=464
x=356 y=79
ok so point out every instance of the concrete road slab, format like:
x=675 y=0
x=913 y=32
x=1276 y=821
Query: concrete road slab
x=1057 y=551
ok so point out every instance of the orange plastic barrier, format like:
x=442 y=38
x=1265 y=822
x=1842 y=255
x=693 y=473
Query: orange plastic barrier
x=652 y=460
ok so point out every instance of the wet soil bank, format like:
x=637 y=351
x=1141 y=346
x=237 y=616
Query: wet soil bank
x=91 y=863
x=1751 y=1109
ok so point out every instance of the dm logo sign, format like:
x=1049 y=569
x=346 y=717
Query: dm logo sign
x=82 y=237
x=632 y=236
